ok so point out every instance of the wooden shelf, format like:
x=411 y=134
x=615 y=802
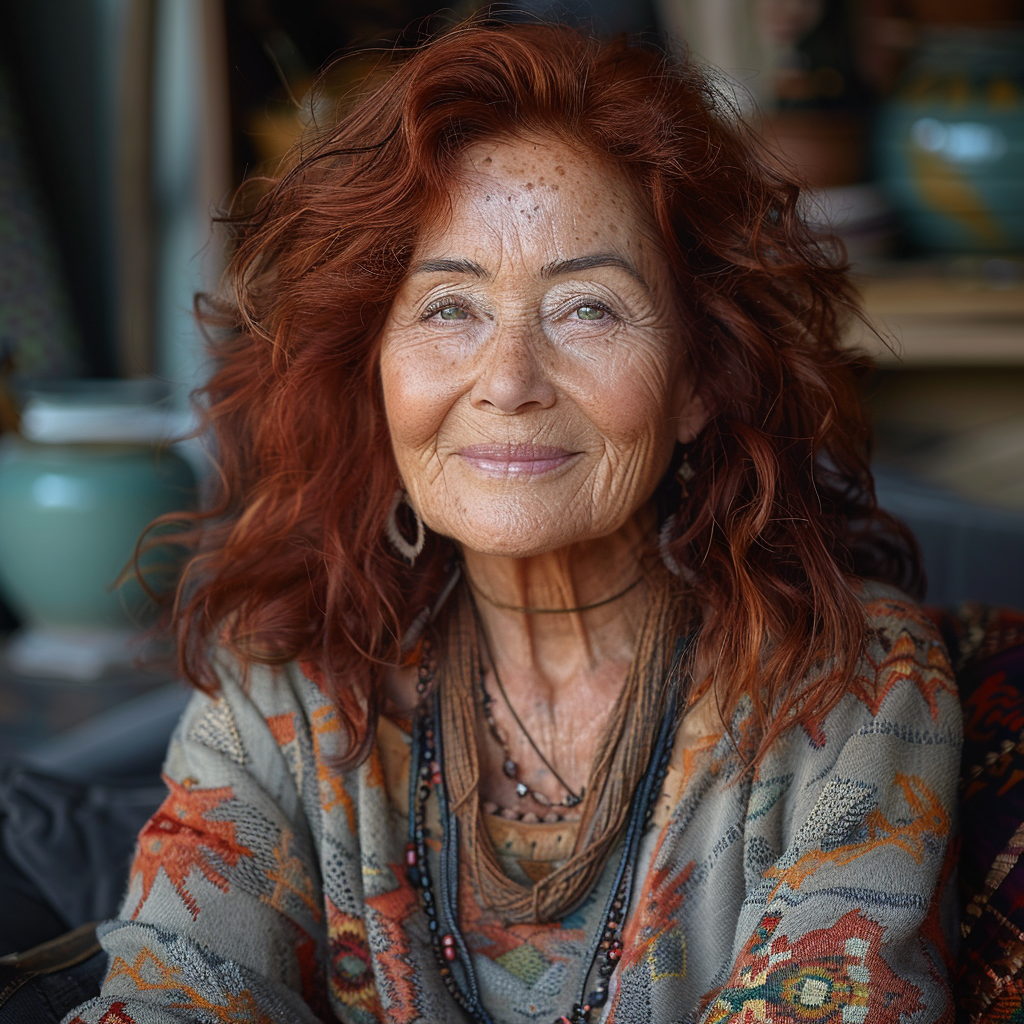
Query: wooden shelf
x=938 y=320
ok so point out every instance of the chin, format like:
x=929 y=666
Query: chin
x=522 y=532
x=510 y=547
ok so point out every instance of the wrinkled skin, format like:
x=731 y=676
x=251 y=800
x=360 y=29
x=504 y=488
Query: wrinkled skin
x=535 y=388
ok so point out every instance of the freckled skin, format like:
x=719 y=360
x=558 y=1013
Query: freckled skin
x=587 y=363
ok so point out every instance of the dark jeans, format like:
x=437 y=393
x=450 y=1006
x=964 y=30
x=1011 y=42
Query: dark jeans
x=26 y=916
x=65 y=848
x=46 y=999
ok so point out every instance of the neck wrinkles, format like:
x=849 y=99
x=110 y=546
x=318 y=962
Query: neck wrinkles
x=553 y=648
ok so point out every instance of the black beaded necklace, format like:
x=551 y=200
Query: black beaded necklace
x=511 y=767
x=450 y=950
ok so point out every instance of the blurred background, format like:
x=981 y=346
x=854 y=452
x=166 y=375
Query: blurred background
x=125 y=123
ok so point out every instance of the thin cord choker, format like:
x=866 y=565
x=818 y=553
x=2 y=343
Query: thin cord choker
x=527 y=610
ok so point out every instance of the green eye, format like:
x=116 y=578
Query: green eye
x=590 y=313
x=453 y=313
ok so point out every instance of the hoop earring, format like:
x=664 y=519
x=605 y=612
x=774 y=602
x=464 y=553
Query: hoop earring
x=410 y=552
x=664 y=539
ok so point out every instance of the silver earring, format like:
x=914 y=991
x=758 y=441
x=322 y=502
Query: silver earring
x=410 y=552
x=668 y=528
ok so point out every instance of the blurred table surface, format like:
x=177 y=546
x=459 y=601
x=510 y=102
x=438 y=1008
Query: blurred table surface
x=944 y=314
x=35 y=709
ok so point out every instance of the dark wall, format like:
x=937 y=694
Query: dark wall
x=58 y=52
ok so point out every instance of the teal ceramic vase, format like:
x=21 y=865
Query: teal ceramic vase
x=950 y=144
x=70 y=515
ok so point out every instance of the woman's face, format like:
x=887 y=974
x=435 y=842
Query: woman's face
x=531 y=362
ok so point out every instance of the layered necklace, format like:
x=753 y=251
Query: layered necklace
x=509 y=766
x=440 y=901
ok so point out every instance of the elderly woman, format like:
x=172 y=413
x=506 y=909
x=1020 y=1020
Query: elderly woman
x=552 y=660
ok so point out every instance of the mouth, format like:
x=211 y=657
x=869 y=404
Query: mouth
x=515 y=459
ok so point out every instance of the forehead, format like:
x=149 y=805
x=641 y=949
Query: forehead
x=540 y=194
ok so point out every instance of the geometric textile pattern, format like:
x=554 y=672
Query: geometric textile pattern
x=272 y=887
x=987 y=644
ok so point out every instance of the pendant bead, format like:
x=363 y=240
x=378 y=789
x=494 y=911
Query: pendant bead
x=522 y=789
x=510 y=768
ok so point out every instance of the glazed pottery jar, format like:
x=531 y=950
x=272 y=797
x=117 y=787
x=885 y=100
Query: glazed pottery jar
x=77 y=489
x=950 y=143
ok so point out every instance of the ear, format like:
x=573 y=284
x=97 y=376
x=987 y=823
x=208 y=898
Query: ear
x=692 y=418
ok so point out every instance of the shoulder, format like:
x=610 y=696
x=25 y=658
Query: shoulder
x=259 y=719
x=890 y=613
x=890 y=747
x=902 y=694
x=279 y=699
x=904 y=662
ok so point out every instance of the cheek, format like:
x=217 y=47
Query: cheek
x=417 y=396
x=629 y=399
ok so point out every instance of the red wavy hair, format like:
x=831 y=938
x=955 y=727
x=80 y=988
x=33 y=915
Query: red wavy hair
x=290 y=562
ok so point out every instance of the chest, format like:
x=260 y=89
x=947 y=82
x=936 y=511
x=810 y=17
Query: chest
x=696 y=859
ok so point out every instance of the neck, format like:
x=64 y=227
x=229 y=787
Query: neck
x=555 y=646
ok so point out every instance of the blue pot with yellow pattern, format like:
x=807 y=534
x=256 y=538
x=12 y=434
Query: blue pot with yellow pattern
x=950 y=143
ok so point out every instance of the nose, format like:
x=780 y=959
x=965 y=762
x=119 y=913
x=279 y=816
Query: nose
x=511 y=376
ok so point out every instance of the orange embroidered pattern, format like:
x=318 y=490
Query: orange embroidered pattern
x=922 y=662
x=829 y=976
x=351 y=974
x=149 y=973
x=396 y=968
x=931 y=819
x=325 y=724
x=291 y=879
x=180 y=838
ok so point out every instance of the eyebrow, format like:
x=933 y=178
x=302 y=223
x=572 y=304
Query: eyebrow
x=559 y=268
x=450 y=267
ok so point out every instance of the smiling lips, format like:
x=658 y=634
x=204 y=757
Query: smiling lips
x=515 y=459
